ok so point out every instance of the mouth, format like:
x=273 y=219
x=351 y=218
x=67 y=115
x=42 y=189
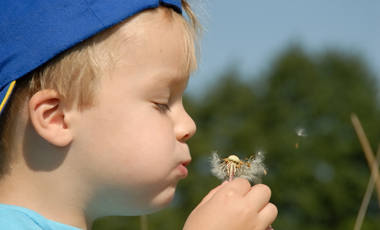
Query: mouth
x=186 y=163
x=182 y=168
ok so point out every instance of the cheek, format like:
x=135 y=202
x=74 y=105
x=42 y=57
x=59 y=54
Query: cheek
x=126 y=141
x=150 y=142
x=138 y=140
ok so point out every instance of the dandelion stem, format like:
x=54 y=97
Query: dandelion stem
x=231 y=170
x=231 y=176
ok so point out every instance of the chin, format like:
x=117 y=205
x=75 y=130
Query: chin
x=162 y=200
x=144 y=209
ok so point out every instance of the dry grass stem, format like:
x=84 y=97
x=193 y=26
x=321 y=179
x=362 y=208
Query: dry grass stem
x=367 y=149
x=368 y=192
x=144 y=222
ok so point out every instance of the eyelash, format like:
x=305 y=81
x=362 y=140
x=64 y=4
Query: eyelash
x=162 y=107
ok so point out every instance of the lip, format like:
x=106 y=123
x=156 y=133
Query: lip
x=185 y=163
x=182 y=168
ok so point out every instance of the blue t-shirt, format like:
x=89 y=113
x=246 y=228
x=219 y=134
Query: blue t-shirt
x=18 y=218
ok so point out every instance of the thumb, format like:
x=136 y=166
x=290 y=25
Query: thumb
x=211 y=193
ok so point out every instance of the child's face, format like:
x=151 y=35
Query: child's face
x=130 y=150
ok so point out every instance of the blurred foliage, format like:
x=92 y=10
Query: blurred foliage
x=320 y=184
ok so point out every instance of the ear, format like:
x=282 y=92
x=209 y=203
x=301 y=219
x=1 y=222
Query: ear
x=47 y=114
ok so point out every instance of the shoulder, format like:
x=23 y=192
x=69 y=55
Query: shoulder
x=19 y=218
x=13 y=218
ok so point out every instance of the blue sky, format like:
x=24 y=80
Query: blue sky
x=250 y=33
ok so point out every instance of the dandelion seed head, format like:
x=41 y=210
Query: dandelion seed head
x=234 y=159
x=216 y=168
x=301 y=132
x=252 y=169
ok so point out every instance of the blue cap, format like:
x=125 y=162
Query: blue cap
x=34 y=31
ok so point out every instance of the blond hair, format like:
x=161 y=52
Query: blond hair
x=75 y=73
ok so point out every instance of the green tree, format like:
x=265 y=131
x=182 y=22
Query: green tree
x=322 y=182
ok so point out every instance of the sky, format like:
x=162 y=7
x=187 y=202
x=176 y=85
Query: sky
x=250 y=33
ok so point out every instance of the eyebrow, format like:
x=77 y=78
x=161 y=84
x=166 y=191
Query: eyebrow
x=173 y=80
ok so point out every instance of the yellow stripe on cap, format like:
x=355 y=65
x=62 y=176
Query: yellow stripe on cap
x=9 y=91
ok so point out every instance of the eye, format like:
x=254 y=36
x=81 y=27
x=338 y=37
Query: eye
x=162 y=107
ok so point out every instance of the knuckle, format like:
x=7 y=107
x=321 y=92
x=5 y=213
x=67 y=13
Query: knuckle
x=246 y=210
x=229 y=194
x=243 y=182
x=228 y=197
x=273 y=209
x=264 y=189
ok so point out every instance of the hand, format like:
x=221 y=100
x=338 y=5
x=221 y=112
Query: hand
x=234 y=205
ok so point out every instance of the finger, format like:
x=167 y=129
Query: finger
x=211 y=193
x=268 y=214
x=259 y=195
x=238 y=186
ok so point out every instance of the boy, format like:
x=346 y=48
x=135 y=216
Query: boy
x=99 y=129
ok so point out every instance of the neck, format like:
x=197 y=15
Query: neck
x=47 y=194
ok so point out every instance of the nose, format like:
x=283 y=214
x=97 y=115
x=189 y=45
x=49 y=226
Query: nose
x=185 y=127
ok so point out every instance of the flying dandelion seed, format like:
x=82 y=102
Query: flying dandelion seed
x=300 y=133
x=232 y=167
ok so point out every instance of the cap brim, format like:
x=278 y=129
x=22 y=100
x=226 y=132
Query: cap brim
x=5 y=93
